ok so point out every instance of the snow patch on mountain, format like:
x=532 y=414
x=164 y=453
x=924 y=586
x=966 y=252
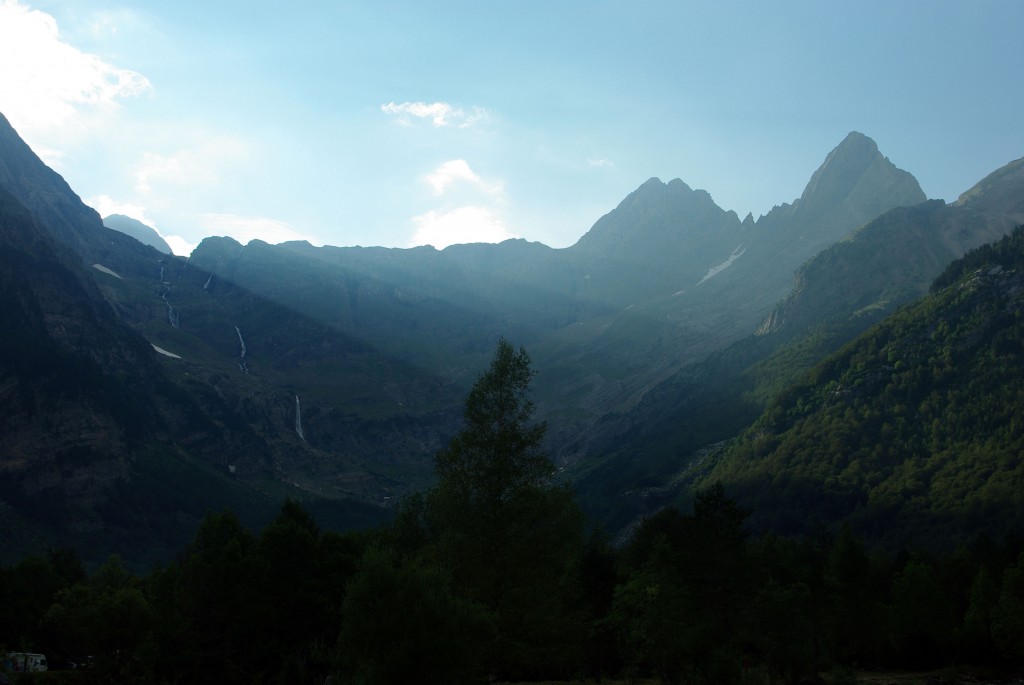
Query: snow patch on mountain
x=100 y=267
x=715 y=270
x=165 y=352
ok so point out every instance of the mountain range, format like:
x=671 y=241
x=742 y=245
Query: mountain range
x=140 y=389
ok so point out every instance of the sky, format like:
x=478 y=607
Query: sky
x=352 y=122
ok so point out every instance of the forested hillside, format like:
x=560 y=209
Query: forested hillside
x=913 y=431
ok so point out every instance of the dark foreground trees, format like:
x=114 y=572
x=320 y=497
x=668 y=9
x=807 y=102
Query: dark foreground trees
x=488 y=576
x=690 y=599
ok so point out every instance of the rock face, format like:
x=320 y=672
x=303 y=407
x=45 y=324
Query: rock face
x=138 y=230
x=661 y=238
x=854 y=185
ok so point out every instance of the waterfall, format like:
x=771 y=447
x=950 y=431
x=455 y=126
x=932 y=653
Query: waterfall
x=241 y=359
x=298 y=419
x=207 y=284
x=161 y=273
x=172 y=316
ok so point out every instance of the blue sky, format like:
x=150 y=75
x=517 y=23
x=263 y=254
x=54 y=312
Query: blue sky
x=405 y=123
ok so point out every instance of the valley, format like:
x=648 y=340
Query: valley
x=335 y=374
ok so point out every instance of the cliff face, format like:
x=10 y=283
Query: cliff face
x=68 y=422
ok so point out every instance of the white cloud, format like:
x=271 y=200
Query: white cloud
x=156 y=167
x=207 y=159
x=106 y=205
x=458 y=226
x=439 y=113
x=601 y=163
x=179 y=245
x=442 y=178
x=246 y=228
x=44 y=81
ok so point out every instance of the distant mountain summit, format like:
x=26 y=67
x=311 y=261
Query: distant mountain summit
x=857 y=177
x=661 y=238
x=655 y=216
x=138 y=230
x=853 y=185
x=678 y=237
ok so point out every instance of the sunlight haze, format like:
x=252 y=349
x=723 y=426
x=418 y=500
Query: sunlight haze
x=401 y=124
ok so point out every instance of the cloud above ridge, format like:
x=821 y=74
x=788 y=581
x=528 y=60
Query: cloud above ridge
x=459 y=226
x=458 y=170
x=440 y=114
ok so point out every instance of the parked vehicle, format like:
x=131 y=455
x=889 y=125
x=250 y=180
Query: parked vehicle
x=24 y=662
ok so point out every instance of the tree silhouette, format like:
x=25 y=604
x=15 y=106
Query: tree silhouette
x=506 y=530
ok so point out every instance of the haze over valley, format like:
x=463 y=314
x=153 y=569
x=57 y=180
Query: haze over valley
x=547 y=368
x=335 y=374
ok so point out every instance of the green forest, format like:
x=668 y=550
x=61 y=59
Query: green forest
x=492 y=575
x=912 y=432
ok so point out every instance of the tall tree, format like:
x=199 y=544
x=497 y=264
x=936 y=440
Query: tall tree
x=499 y=453
x=509 y=533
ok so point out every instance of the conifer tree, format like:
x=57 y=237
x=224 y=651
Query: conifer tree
x=508 y=532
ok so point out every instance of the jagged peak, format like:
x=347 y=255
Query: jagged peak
x=856 y=139
x=856 y=174
x=845 y=162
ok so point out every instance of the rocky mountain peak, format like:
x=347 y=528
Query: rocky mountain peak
x=654 y=213
x=854 y=171
x=853 y=185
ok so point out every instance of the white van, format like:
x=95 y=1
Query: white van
x=23 y=662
